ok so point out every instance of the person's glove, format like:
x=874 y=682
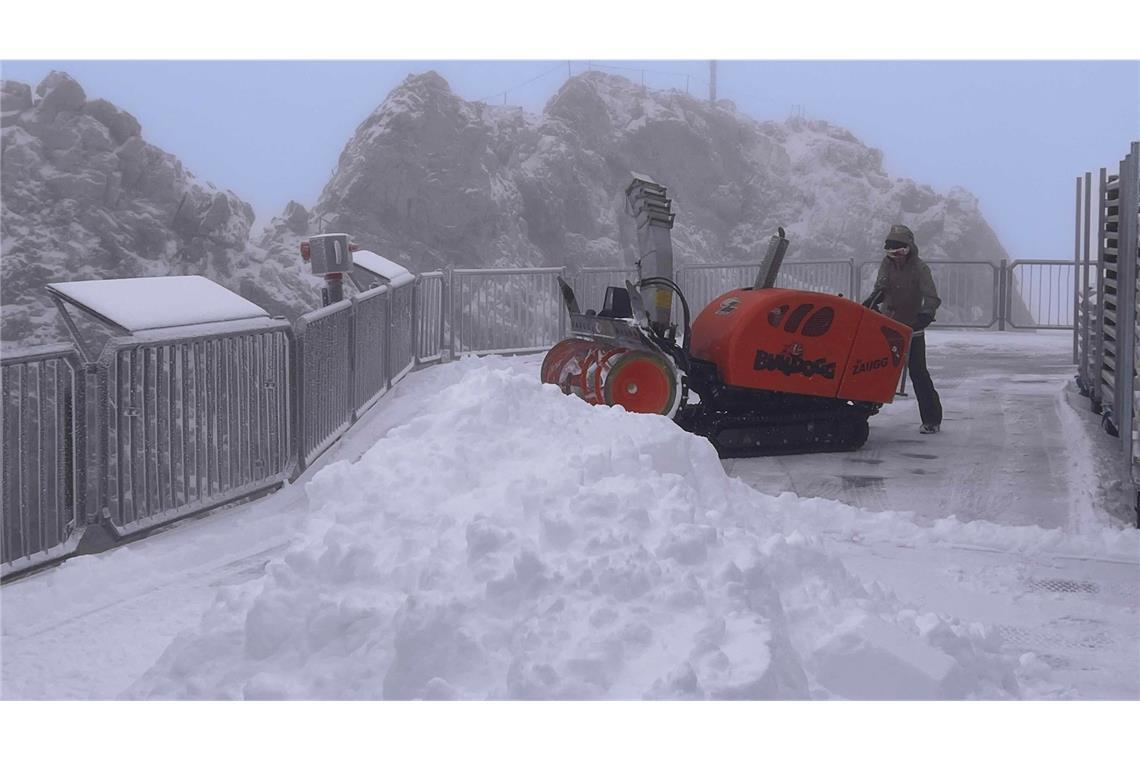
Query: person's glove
x=873 y=300
x=922 y=321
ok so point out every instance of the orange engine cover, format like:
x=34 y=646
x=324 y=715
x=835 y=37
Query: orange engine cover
x=797 y=341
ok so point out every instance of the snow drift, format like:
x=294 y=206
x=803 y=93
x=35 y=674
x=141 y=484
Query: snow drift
x=515 y=543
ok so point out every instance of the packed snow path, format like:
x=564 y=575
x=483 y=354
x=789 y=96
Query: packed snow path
x=1008 y=452
x=479 y=536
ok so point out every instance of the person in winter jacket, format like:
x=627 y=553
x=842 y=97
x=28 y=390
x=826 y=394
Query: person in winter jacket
x=904 y=291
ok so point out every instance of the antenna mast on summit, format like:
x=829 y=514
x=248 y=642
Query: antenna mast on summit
x=712 y=82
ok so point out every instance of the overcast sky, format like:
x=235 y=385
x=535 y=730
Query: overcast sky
x=1013 y=133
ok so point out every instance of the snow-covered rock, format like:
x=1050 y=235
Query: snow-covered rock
x=431 y=180
x=85 y=197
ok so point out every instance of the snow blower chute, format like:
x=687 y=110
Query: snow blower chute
x=761 y=370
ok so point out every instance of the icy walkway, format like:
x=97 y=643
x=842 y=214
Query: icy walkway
x=502 y=541
x=1009 y=452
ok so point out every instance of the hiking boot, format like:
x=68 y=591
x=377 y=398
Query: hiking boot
x=925 y=429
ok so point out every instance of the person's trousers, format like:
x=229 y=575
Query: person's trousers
x=929 y=405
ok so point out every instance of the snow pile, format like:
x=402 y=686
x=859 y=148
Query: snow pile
x=516 y=543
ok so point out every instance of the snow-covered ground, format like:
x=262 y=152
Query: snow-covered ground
x=480 y=535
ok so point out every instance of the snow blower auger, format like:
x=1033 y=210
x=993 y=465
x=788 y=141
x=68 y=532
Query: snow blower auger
x=772 y=370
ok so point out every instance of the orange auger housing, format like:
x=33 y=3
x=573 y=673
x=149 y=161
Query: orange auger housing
x=761 y=370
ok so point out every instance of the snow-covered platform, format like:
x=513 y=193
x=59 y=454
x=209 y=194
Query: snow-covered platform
x=1013 y=449
x=480 y=535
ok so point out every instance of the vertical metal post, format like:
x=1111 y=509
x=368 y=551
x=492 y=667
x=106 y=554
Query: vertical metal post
x=416 y=318
x=1096 y=394
x=1076 y=268
x=1003 y=293
x=854 y=280
x=452 y=325
x=563 y=330
x=1126 y=251
x=1126 y=303
x=352 y=361
x=1086 y=318
x=387 y=357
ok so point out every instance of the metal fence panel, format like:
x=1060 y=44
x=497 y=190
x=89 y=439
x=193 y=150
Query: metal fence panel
x=1045 y=287
x=192 y=419
x=701 y=284
x=324 y=381
x=370 y=347
x=41 y=481
x=401 y=331
x=1110 y=322
x=704 y=283
x=429 y=316
x=590 y=284
x=506 y=310
x=969 y=290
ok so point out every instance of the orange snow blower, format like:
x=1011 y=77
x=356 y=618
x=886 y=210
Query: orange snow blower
x=761 y=371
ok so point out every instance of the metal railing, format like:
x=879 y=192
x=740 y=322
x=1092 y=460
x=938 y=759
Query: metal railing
x=183 y=421
x=505 y=310
x=41 y=488
x=1045 y=288
x=371 y=312
x=429 y=316
x=324 y=378
x=1105 y=295
x=401 y=332
x=191 y=422
x=590 y=284
x=959 y=283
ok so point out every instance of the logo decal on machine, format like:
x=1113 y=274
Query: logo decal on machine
x=862 y=366
x=791 y=361
x=728 y=305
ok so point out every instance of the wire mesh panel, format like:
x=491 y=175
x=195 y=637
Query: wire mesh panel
x=1045 y=288
x=325 y=391
x=401 y=331
x=193 y=421
x=968 y=290
x=370 y=346
x=506 y=310
x=40 y=481
x=429 y=316
x=590 y=284
x=701 y=284
x=833 y=277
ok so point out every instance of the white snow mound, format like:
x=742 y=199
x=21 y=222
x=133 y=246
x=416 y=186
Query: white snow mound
x=515 y=543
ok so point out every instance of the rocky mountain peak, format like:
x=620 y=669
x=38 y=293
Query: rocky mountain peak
x=85 y=197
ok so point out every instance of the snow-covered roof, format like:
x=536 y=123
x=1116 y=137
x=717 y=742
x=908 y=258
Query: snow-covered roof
x=393 y=273
x=147 y=303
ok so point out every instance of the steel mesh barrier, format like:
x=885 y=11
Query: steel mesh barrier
x=505 y=310
x=834 y=277
x=325 y=389
x=42 y=475
x=191 y=422
x=401 y=332
x=370 y=347
x=429 y=300
x=590 y=284
x=1046 y=289
x=969 y=290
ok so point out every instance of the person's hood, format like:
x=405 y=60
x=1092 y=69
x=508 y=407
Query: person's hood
x=903 y=234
